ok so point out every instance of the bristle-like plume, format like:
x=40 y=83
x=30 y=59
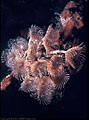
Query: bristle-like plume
x=56 y=70
x=75 y=56
x=47 y=89
x=35 y=33
x=41 y=89
x=13 y=56
x=54 y=66
x=39 y=68
x=51 y=39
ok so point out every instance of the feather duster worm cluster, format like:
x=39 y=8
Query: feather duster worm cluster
x=44 y=63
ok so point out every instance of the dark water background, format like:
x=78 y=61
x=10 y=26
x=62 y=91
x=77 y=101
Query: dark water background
x=18 y=15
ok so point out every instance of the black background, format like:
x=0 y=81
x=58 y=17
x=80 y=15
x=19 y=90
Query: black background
x=18 y=15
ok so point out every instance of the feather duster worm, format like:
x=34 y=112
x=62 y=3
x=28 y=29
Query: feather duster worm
x=35 y=35
x=51 y=39
x=75 y=56
x=43 y=62
x=57 y=71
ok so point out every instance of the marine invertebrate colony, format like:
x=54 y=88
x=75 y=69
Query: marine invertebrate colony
x=45 y=62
